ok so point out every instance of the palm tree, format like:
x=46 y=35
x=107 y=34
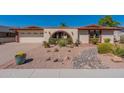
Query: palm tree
x=63 y=25
x=108 y=21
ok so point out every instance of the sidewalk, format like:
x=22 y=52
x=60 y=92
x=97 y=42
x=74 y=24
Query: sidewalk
x=61 y=73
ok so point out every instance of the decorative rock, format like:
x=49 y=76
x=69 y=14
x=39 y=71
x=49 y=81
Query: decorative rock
x=71 y=46
x=66 y=58
x=87 y=59
x=56 y=60
x=86 y=67
x=116 y=59
x=48 y=59
x=48 y=50
x=69 y=50
x=56 y=50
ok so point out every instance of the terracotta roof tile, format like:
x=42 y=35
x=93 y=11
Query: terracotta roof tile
x=98 y=27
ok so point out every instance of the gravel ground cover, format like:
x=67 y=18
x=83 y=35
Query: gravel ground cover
x=65 y=58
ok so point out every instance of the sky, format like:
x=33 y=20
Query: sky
x=53 y=20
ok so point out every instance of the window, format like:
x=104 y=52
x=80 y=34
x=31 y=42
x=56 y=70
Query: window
x=35 y=33
x=28 y=33
x=41 y=34
x=22 y=33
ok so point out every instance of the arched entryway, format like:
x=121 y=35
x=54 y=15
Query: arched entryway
x=61 y=34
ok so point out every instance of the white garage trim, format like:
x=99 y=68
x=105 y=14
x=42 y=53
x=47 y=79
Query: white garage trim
x=31 y=39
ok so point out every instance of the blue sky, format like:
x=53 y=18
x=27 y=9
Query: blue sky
x=53 y=20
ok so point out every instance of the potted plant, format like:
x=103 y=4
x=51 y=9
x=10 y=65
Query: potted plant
x=20 y=58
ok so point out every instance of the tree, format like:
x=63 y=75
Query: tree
x=108 y=21
x=63 y=25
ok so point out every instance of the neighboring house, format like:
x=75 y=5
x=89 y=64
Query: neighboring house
x=6 y=35
x=83 y=34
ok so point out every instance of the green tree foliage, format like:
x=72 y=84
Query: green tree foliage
x=108 y=21
x=63 y=25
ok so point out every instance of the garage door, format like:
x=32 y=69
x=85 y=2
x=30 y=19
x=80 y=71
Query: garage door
x=31 y=37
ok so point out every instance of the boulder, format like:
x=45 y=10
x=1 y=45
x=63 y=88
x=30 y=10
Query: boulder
x=56 y=50
x=66 y=58
x=69 y=50
x=116 y=59
x=48 y=50
x=48 y=59
x=56 y=60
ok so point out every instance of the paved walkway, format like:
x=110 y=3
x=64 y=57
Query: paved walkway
x=8 y=50
x=61 y=73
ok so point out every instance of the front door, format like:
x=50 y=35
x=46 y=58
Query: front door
x=95 y=34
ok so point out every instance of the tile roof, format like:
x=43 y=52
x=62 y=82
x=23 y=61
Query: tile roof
x=28 y=28
x=98 y=27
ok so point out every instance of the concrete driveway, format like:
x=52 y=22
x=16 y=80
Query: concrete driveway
x=8 y=50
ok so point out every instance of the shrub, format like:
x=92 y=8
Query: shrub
x=94 y=40
x=106 y=40
x=118 y=51
x=69 y=41
x=122 y=39
x=21 y=53
x=46 y=45
x=62 y=42
x=76 y=43
x=105 y=48
x=52 y=41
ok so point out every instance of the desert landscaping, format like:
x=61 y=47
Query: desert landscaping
x=85 y=56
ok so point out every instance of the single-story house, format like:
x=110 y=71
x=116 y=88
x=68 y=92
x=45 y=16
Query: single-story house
x=6 y=35
x=34 y=34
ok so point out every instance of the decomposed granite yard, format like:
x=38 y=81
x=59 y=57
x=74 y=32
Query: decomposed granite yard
x=8 y=50
x=39 y=57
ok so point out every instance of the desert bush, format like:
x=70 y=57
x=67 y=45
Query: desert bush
x=69 y=41
x=105 y=48
x=94 y=40
x=46 y=44
x=52 y=41
x=106 y=40
x=62 y=42
x=117 y=50
x=122 y=39
x=76 y=43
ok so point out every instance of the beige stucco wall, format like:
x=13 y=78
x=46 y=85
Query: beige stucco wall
x=83 y=36
x=31 y=36
x=117 y=34
x=108 y=34
x=49 y=32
